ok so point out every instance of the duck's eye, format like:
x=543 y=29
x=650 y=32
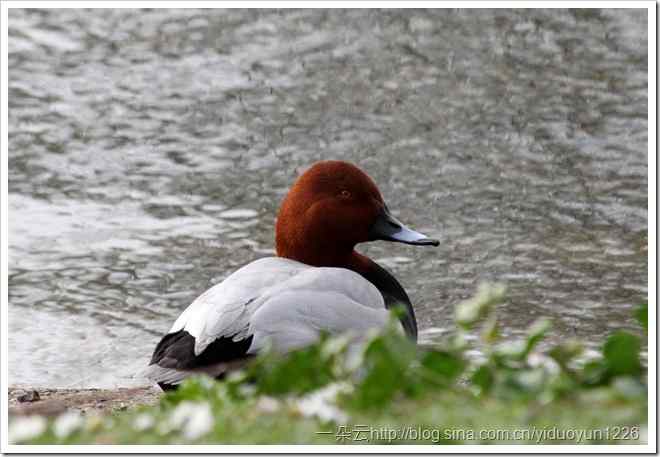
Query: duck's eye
x=345 y=194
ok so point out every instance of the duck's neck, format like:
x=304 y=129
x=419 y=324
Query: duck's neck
x=392 y=291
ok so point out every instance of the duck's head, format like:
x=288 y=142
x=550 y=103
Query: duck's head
x=332 y=207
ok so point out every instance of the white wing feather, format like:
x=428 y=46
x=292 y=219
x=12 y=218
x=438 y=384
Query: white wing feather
x=291 y=320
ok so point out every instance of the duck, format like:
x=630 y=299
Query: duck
x=317 y=282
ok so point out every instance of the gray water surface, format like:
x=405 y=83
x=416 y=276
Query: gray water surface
x=149 y=151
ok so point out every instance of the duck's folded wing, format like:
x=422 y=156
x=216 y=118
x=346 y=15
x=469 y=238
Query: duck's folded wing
x=292 y=320
x=331 y=300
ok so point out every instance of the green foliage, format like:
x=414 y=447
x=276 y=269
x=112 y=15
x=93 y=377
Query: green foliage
x=296 y=372
x=621 y=354
x=384 y=378
x=385 y=370
x=441 y=368
x=642 y=315
x=483 y=379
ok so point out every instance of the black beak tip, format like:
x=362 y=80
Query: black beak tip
x=428 y=242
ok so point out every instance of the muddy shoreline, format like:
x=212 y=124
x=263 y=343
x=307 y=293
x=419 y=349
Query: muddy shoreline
x=51 y=402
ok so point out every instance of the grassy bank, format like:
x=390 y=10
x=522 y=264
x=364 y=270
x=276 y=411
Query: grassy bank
x=385 y=389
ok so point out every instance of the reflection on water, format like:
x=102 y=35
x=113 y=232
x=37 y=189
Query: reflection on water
x=149 y=151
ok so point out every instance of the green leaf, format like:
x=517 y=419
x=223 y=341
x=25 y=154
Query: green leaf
x=621 y=352
x=441 y=366
x=483 y=378
x=299 y=371
x=386 y=361
x=595 y=373
x=642 y=315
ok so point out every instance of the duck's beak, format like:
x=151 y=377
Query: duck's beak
x=389 y=228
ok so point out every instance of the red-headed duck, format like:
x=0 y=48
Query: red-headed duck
x=316 y=283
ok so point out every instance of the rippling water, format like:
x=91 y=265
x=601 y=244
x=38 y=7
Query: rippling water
x=149 y=151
